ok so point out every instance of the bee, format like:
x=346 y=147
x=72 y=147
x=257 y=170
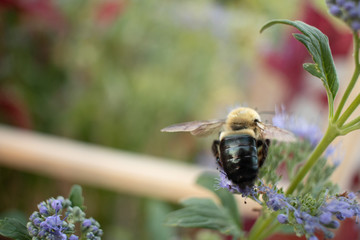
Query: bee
x=243 y=142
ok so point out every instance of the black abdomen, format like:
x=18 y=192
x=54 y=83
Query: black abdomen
x=238 y=157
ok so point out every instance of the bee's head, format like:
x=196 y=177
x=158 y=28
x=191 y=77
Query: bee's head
x=242 y=118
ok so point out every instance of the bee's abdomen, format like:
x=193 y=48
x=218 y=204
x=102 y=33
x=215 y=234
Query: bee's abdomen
x=238 y=155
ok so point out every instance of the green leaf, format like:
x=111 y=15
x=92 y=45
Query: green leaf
x=208 y=180
x=13 y=228
x=204 y=213
x=318 y=46
x=156 y=213
x=76 y=197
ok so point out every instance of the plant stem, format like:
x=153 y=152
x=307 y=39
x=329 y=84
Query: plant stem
x=353 y=79
x=273 y=228
x=347 y=129
x=260 y=226
x=331 y=133
x=353 y=122
x=349 y=111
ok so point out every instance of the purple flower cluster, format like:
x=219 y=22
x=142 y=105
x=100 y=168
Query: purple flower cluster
x=347 y=10
x=225 y=182
x=47 y=222
x=306 y=223
x=91 y=228
x=292 y=210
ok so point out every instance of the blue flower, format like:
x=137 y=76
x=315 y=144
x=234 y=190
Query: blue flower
x=225 y=182
x=73 y=237
x=347 y=10
x=43 y=209
x=355 y=25
x=340 y=2
x=282 y=218
x=276 y=201
x=47 y=223
x=86 y=223
x=348 y=5
x=53 y=225
x=313 y=237
x=91 y=228
x=299 y=126
x=325 y=217
x=335 y=10
x=56 y=205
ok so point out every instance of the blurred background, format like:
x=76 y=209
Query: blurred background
x=114 y=72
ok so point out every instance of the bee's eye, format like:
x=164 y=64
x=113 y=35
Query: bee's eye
x=256 y=120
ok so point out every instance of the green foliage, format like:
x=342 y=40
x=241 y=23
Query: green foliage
x=289 y=156
x=209 y=181
x=156 y=212
x=13 y=228
x=319 y=179
x=204 y=213
x=318 y=46
x=76 y=197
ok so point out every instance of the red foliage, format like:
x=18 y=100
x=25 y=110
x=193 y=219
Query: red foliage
x=108 y=11
x=43 y=10
x=14 y=111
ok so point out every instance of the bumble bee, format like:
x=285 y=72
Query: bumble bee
x=243 y=142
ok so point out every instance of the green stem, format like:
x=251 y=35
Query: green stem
x=273 y=228
x=353 y=79
x=346 y=130
x=331 y=133
x=260 y=226
x=349 y=111
x=351 y=123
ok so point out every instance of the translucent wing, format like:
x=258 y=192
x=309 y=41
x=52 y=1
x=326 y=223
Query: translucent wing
x=197 y=128
x=272 y=132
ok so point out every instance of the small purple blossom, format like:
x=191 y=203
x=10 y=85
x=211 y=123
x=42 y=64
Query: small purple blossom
x=56 y=205
x=351 y=196
x=347 y=10
x=86 y=223
x=340 y=2
x=91 y=228
x=225 y=182
x=73 y=237
x=313 y=237
x=43 y=209
x=282 y=218
x=335 y=10
x=348 y=5
x=355 y=25
x=325 y=217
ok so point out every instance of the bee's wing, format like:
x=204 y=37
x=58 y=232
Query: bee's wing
x=272 y=132
x=197 y=128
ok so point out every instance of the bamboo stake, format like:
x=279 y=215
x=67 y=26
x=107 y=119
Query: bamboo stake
x=103 y=167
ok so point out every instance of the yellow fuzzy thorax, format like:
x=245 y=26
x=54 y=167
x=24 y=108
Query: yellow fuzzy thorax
x=244 y=118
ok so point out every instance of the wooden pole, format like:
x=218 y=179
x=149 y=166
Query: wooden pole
x=102 y=167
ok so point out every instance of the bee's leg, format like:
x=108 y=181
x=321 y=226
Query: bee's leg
x=215 y=150
x=262 y=149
